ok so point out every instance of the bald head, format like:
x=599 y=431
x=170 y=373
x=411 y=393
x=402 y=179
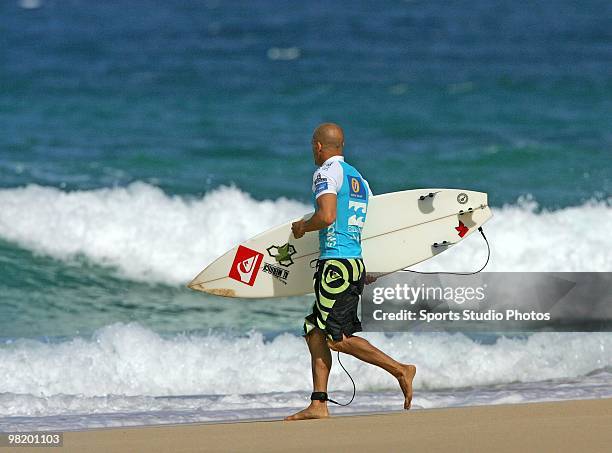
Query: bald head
x=330 y=136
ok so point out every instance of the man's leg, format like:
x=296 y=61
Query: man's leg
x=365 y=351
x=321 y=365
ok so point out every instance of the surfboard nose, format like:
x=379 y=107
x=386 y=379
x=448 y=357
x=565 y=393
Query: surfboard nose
x=225 y=292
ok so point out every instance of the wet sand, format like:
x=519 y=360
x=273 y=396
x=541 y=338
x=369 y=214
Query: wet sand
x=584 y=426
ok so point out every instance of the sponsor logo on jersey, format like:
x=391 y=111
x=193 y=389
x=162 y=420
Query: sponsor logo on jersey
x=357 y=190
x=320 y=184
x=277 y=272
x=357 y=213
x=246 y=265
x=330 y=236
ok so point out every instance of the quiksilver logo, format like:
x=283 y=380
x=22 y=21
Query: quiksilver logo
x=246 y=265
x=245 y=269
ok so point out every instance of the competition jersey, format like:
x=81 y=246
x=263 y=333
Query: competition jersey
x=342 y=239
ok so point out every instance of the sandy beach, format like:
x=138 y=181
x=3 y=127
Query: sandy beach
x=556 y=426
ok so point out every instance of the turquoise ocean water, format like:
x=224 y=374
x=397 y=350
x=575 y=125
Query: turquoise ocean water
x=139 y=140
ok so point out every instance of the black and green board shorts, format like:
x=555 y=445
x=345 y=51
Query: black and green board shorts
x=338 y=284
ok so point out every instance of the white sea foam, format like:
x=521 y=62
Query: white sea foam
x=128 y=359
x=67 y=412
x=126 y=374
x=141 y=231
x=149 y=235
x=524 y=238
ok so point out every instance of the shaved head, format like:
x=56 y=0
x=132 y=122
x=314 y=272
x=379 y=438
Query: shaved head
x=330 y=136
x=327 y=141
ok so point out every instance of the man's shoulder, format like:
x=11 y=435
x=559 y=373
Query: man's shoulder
x=352 y=171
x=331 y=166
x=350 y=168
x=331 y=169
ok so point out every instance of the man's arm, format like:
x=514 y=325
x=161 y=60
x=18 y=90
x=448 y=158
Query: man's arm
x=324 y=216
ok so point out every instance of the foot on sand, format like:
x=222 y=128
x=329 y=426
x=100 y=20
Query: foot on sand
x=405 y=382
x=317 y=409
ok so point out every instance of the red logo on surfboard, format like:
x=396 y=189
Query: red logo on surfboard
x=461 y=229
x=246 y=265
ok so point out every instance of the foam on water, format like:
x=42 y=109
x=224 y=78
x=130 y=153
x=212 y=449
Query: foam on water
x=128 y=359
x=69 y=412
x=126 y=374
x=151 y=236
x=525 y=239
x=146 y=234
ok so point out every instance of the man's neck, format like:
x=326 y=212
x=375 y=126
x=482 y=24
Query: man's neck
x=332 y=157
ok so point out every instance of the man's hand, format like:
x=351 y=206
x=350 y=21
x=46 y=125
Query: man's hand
x=298 y=228
x=370 y=278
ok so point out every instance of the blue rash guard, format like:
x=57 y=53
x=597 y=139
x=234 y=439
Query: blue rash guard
x=342 y=239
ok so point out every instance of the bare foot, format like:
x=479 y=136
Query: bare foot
x=317 y=409
x=405 y=382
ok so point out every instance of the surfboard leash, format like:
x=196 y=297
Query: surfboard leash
x=322 y=396
x=460 y=273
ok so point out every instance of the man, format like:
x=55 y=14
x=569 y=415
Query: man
x=341 y=198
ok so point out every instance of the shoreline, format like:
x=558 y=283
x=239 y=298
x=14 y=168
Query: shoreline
x=581 y=425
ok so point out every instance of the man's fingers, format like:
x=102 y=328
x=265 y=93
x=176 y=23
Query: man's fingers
x=297 y=230
x=369 y=279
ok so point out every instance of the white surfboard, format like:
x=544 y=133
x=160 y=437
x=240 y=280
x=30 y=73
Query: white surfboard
x=401 y=229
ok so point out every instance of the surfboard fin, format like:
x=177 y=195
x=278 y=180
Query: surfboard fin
x=429 y=195
x=442 y=244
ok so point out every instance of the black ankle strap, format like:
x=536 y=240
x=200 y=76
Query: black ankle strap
x=322 y=396
x=319 y=396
